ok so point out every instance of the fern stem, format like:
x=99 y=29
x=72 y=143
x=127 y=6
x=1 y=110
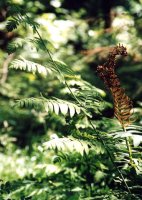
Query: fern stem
x=56 y=66
x=110 y=156
x=129 y=148
x=74 y=96
x=103 y=142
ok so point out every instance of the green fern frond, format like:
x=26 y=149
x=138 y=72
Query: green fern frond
x=86 y=90
x=19 y=19
x=133 y=131
x=36 y=43
x=62 y=70
x=67 y=144
x=30 y=21
x=51 y=105
x=41 y=45
x=30 y=103
x=12 y=24
x=88 y=95
x=33 y=67
x=14 y=9
x=92 y=139
x=16 y=45
x=30 y=66
x=67 y=71
x=84 y=85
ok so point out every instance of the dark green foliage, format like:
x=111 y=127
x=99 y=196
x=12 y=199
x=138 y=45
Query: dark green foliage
x=51 y=105
x=57 y=141
x=18 y=19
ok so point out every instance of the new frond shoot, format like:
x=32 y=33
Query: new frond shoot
x=122 y=103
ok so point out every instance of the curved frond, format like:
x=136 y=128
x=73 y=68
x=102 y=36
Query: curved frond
x=66 y=144
x=62 y=71
x=66 y=70
x=19 y=19
x=51 y=105
x=12 y=24
x=33 y=67
x=122 y=103
x=133 y=131
x=30 y=66
x=88 y=95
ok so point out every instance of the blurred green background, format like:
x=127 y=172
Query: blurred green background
x=80 y=33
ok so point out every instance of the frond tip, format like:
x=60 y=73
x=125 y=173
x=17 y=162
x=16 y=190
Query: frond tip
x=122 y=103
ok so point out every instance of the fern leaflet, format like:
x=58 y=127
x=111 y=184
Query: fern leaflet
x=51 y=105
x=68 y=144
x=30 y=66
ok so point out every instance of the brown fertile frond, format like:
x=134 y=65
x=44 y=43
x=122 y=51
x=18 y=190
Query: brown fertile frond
x=122 y=103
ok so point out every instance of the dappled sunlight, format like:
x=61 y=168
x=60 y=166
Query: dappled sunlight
x=62 y=135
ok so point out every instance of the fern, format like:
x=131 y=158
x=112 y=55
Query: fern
x=96 y=145
x=84 y=97
x=12 y=24
x=133 y=131
x=61 y=70
x=87 y=94
x=14 y=9
x=19 y=19
x=122 y=103
x=19 y=43
x=64 y=69
x=68 y=144
x=30 y=66
x=33 y=67
x=53 y=105
x=39 y=44
x=15 y=46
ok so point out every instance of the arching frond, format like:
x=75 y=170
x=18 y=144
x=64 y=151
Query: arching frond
x=33 y=67
x=30 y=66
x=133 y=131
x=51 y=105
x=19 y=19
x=61 y=70
x=89 y=96
x=92 y=139
x=90 y=90
x=67 y=144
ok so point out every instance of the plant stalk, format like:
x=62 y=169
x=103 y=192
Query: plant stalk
x=129 y=149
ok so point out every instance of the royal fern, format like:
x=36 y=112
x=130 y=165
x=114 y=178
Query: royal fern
x=51 y=105
x=30 y=66
x=85 y=96
x=68 y=144
x=122 y=103
x=46 y=69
